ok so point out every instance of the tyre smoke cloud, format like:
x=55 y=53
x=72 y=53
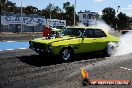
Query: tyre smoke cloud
x=101 y=24
x=125 y=43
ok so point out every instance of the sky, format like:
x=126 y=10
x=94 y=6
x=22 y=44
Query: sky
x=92 y=5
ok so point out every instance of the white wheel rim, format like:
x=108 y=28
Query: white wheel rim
x=66 y=54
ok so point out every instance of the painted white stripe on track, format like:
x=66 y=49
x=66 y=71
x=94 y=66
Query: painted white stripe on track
x=125 y=68
x=121 y=67
x=9 y=49
x=22 y=48
x=13 y=49
x=10 y=41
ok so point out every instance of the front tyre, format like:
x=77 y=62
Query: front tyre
x=66 y=55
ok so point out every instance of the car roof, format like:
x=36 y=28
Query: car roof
x=85 y=27
x=88 y=27
x=55 y=29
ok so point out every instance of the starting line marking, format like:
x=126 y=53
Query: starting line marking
x=9 y=49
x=13 y=49
x=22 y=48
x=7 y=41
x=129 y=69
x=125 y=68
x=10 y=41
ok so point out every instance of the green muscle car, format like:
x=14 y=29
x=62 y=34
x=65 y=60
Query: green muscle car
x=75 y=40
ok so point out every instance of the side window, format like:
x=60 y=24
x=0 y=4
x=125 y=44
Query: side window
x=89 y=33
x=77 y=31
x=80 y=31
x=99 y=33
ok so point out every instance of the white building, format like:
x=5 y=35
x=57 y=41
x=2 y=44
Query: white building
x=88 y=18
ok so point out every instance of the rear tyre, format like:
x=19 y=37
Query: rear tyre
x=109 y=50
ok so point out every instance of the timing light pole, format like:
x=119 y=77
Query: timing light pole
x=21 y=16
x=117 y=16
x=75 y=13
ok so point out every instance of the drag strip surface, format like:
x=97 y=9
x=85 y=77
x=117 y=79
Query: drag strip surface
x=26 y=69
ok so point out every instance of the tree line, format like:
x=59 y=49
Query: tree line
x=51 y=11
x=118 y=21
x=109 y=15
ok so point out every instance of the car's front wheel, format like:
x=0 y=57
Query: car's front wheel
x=66 y=54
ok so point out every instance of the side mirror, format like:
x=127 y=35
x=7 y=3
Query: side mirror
x=81 y=36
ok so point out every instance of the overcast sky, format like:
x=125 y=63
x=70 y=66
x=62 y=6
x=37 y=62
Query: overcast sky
x=92 y=5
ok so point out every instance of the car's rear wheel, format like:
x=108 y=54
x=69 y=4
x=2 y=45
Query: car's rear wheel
x=110 y=49
x=66 y=54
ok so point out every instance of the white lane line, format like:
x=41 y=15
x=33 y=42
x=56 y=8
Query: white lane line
x=121 y=67
x=22 y=48
x=9 y=49
x=125 y=68
x=13 y=49
x=9 y=41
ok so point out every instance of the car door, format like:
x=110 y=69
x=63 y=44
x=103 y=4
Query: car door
x=87 y=43
x=100 y=39
x=78 y=32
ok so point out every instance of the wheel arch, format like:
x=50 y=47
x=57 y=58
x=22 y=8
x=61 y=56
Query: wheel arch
x=67 y=47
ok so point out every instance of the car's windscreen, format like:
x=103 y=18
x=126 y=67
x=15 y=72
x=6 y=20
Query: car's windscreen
x=73 y=31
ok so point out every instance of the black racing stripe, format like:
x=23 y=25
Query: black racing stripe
x=62 y=40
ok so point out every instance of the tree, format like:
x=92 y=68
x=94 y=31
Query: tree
x=122 y=20
x=9 y=3
x=51 y=11
x=69 y=13
x=10 y=6
x=130 y=19
x=56 y=13
x=31 y=10
x=47 y=12
x=2 y=8
x=66 y=5
x=109 y=16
